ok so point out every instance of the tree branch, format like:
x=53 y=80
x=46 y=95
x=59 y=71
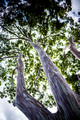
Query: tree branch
x=19 y=29
x=9 y=52
x=73 y=49
x=3 y=52
x=10 y=31
x=31 y=107
x=36 y=79
x=9 y=39
x=24 y=33
x=22 y=38
x=8 y=57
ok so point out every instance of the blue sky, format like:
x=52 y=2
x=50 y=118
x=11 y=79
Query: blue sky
x=75 y=10
x=7 y=111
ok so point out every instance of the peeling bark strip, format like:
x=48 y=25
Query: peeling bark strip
x=32 y=108
x=68 y=103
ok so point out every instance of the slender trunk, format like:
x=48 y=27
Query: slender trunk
x=68 y=103
x=32 y=108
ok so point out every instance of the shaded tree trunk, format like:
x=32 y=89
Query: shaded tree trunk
x=68 y=102
x=73 y=49
x=32 y=108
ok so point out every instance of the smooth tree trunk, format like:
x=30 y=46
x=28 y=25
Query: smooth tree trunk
x=73 y=49
x=31 y=107
x=68 y=102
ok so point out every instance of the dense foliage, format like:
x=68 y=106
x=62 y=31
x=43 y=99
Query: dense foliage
x=44 y=21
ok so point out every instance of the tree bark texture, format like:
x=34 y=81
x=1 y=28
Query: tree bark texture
x=73 y=49
x=68 y=102
x=31 y=107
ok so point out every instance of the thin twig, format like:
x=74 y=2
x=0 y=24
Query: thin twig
x=24 y=33
x=22 y=38
x=9 y=52
x=12 y=38
x=15 y=38
x=10 y=31
x=8 y=57
x=36 y=79
x=8 y=39
x=19 y=29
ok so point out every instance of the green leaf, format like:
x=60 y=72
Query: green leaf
x=0 y=83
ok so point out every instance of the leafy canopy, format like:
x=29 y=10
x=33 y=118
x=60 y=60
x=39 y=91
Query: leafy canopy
x=44 y=21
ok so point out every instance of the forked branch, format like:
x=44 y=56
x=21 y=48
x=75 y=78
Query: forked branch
x=8 y=30
x=19 y=29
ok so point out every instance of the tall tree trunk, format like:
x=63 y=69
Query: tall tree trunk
x=68 y=103
x=31 y=107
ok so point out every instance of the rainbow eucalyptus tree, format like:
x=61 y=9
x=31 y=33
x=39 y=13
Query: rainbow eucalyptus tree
x=68 y=102
x=43 y=16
